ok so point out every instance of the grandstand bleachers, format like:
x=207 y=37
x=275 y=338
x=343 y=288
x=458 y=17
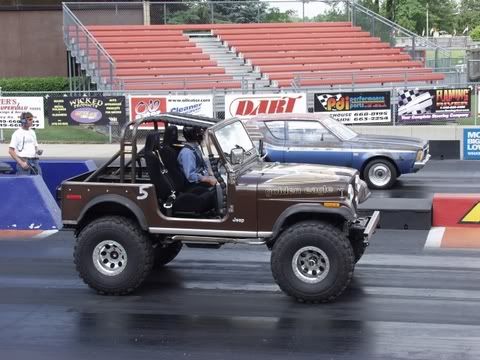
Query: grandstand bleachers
x=302 y=54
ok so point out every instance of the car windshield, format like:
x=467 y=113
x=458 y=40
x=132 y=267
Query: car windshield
x=340 y=130
x=234 y=136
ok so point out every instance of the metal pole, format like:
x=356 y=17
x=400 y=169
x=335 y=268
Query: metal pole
x=164 y=13
x=69 y=60
x=109 y=133
x=428 y=29
x=477 y=108
x=146 y=12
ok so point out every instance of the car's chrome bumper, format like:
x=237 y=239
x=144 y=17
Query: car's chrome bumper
x=420 y=164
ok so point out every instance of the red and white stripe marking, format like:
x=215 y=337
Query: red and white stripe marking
x=25 y=234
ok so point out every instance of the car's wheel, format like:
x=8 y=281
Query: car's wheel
x=165 y=254
x=380 y=174
x=113 y=255
x=312 y=261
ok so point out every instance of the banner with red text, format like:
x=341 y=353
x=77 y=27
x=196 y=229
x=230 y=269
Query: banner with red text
x=12 y=107
x=244 y=105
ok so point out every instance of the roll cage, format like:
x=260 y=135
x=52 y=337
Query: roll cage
x=129 y=138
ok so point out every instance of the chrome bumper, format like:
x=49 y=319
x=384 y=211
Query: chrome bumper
x=371 y=225
x=420 y=164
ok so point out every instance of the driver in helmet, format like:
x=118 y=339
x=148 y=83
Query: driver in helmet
x=190 y=158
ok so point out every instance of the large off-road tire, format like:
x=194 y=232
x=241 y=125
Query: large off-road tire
x=380 y=174
x=165 y=254
x=312 y=261
x=358 y=250
x=113 y=255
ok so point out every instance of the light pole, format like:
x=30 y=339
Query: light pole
x=428 y=29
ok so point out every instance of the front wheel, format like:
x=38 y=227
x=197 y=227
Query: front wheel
x=380 y=174
x=166 y=254
x=113 y=255
x=312 y=261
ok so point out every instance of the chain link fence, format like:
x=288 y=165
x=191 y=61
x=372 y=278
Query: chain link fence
x=111 y=133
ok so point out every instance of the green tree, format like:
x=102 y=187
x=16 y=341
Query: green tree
x=475 y=34
x=274 y=14
x=412 y=14
x=468 y=15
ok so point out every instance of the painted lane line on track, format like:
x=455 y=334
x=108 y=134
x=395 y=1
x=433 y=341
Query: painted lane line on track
x=453 y=238
x=25 y=234
x=435 y=236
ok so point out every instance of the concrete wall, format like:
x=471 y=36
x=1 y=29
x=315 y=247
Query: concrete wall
x=426 y=132
x=31 y=44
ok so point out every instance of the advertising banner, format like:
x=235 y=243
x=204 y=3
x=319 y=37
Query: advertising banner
x=243 y=105
x=201 y=105
x=355 y=107
x=145 y=106
x=434 y=104
x=12 y=107
x=471 y=143
x=83 y=110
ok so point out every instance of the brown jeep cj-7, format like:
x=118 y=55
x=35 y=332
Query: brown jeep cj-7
x=132 y=216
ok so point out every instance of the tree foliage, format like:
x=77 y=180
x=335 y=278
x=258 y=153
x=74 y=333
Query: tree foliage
x=468 y=15
x=475 y=34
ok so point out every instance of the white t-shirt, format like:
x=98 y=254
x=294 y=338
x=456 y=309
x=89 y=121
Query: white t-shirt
x=24 y=142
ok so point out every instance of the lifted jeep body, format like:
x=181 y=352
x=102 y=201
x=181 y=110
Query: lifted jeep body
x=130 y=217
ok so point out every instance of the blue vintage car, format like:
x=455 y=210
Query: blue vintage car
x=319 y=139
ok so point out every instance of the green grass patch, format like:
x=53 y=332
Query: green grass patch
x=64 y=135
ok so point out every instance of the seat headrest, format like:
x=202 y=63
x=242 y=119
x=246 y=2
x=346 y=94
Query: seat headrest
x=171 y=135
x=152 y=141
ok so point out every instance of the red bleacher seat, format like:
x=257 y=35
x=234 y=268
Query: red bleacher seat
x=150 y=57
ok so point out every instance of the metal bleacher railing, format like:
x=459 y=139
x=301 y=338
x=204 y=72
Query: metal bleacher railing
x=100 y=67
x=90 y=54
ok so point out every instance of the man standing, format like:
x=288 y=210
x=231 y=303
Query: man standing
x=24 y=147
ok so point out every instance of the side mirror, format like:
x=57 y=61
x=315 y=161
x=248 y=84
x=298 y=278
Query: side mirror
x=236 y=156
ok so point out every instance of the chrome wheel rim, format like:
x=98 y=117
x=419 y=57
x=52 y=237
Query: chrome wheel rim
x=110 y=258
x=379 y=174
x=310 y=264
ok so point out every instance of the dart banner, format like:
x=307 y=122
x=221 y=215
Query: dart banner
x=355 y=107
x=433 y=104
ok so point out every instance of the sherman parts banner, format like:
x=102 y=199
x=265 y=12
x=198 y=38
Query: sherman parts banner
x=244 y=105
x=416 y=105
x=12 y=107
x=355 y=107
x=144 y=106
x=86 y=110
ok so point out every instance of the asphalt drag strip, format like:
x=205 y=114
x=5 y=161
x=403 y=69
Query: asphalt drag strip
x=405 y=302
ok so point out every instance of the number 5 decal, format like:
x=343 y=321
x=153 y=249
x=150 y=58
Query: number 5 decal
x=142 y=192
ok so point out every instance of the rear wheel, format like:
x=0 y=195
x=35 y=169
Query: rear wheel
x=113 y=255
x=380 y=174
x=312 y=261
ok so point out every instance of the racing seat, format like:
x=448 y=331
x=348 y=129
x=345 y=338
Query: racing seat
x=174 y=202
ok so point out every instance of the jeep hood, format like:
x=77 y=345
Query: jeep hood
x=286 y=174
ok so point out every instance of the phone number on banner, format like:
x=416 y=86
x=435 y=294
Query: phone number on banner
x=364 y=117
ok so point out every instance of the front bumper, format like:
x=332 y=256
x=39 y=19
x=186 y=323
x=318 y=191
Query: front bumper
x=420 y=164
x=364 y=228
